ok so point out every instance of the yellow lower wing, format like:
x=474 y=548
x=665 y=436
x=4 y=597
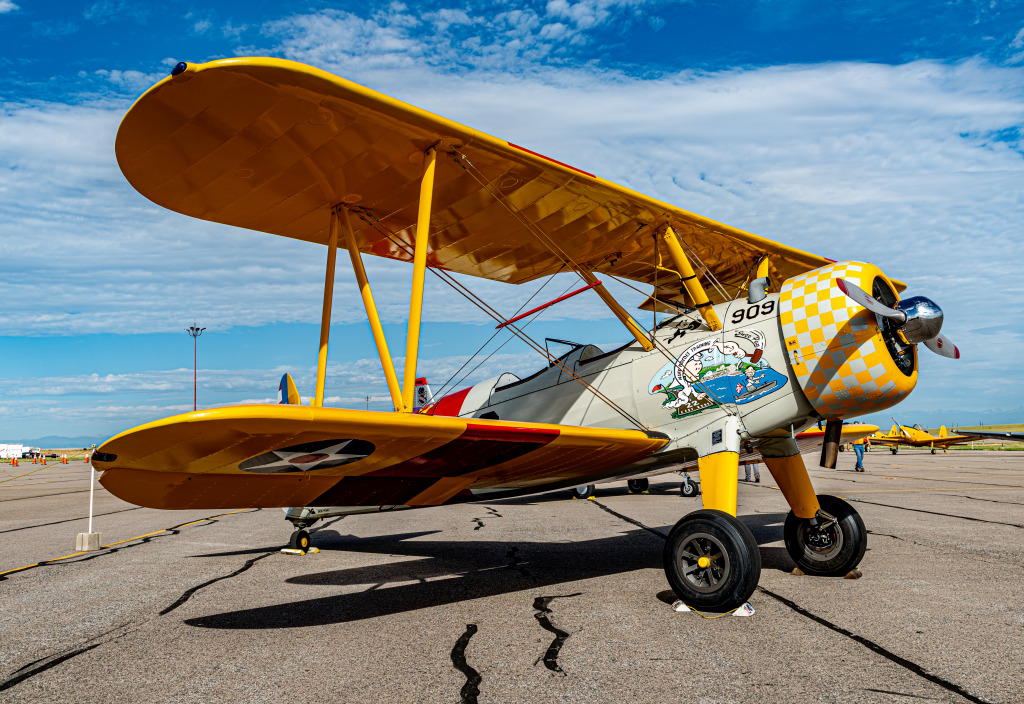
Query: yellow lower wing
x=269 y=456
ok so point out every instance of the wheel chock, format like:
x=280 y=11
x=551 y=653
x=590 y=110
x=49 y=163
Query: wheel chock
x=855 y=573
x=293 y=551
x=745 y=610
x=798 y=572
x=591 y=498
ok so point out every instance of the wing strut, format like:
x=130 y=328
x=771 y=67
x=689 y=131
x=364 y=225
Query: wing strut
x=618 y=310
x=419 y=271
x=371 y=309
x=325 y=320
x=689 y=278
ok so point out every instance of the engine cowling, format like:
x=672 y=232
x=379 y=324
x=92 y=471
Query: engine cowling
x=848 y=360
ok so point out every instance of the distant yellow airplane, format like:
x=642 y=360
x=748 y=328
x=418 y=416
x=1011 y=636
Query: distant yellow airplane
x=916 y=436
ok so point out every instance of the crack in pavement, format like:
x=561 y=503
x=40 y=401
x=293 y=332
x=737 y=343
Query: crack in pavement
x=627 y=519
x=187 y=594
x=480 y=521
x=68 y=520
x=45 y=496
x=45 y=663
x=550 y=656
x=471 y=690
x=871 y=645
x=938 y=513
x=875 y=647
x=515 y=561
x=143 y=539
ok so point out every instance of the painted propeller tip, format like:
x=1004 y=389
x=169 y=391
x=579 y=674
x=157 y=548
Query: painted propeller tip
x=841 y=283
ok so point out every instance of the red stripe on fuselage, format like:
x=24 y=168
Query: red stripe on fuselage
x=450 y=405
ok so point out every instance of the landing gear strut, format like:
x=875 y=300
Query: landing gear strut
x=834 y=545
x=712 y=561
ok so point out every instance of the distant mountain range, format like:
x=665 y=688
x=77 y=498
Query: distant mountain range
x=61 y=441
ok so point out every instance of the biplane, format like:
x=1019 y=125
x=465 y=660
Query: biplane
x=916 y=436
x=761 y=340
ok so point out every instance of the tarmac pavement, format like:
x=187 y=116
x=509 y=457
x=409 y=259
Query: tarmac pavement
x=536 y=599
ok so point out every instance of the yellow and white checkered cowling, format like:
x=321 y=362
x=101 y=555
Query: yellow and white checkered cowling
x=835 y=346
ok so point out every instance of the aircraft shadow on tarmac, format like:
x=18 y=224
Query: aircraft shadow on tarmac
x=450 y=572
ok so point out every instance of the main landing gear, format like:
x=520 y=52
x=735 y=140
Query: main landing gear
x=832 y=544
x=712 y=561
x=894 y=450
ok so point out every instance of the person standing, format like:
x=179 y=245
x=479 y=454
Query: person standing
x=858 y=448
x=757 y=472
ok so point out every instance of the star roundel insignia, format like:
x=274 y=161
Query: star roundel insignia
x=309 y=456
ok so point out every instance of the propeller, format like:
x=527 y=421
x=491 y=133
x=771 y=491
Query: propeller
x=919 y=318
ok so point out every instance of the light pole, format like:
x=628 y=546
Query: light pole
x=194 y=333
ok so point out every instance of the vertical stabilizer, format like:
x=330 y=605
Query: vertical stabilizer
x=287 y=392
x=943 y=433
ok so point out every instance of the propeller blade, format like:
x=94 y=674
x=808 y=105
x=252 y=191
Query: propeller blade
x=861 y=298
x=940 y=344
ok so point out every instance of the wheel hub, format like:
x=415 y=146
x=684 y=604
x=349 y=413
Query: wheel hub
x=704 y=562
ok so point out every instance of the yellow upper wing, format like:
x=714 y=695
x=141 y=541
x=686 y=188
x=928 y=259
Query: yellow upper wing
x=273 y=145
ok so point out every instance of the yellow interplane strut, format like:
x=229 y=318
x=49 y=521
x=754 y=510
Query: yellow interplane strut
x=325 y=320
x=689 y=278
x=419 y=271
x=371 y=310
x=618 y=310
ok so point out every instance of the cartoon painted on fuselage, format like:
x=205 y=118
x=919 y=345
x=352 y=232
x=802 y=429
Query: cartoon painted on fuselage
x=713 y=372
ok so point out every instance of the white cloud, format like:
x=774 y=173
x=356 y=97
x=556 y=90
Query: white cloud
x=7 y=6
x=916 y=167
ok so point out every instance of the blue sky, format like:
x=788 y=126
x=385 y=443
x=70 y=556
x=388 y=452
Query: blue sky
x=886 y=131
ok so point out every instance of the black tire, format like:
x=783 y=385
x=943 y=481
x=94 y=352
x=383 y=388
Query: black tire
x=933 y=450
x=894 y=450
x=637 y=486
x=841 y=547
x=299 y=540
x=689 y=489
x=584 y=492
x=735 y=561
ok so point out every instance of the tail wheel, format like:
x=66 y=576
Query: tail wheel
x=299 y=540
x=894 y=450
x=712 y=561
x=689 y=489
x=638 y=486
x=584 y=492
x=832 y=548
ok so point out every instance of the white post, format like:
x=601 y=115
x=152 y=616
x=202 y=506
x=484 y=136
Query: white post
x=89 y=541
x=92 y=488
